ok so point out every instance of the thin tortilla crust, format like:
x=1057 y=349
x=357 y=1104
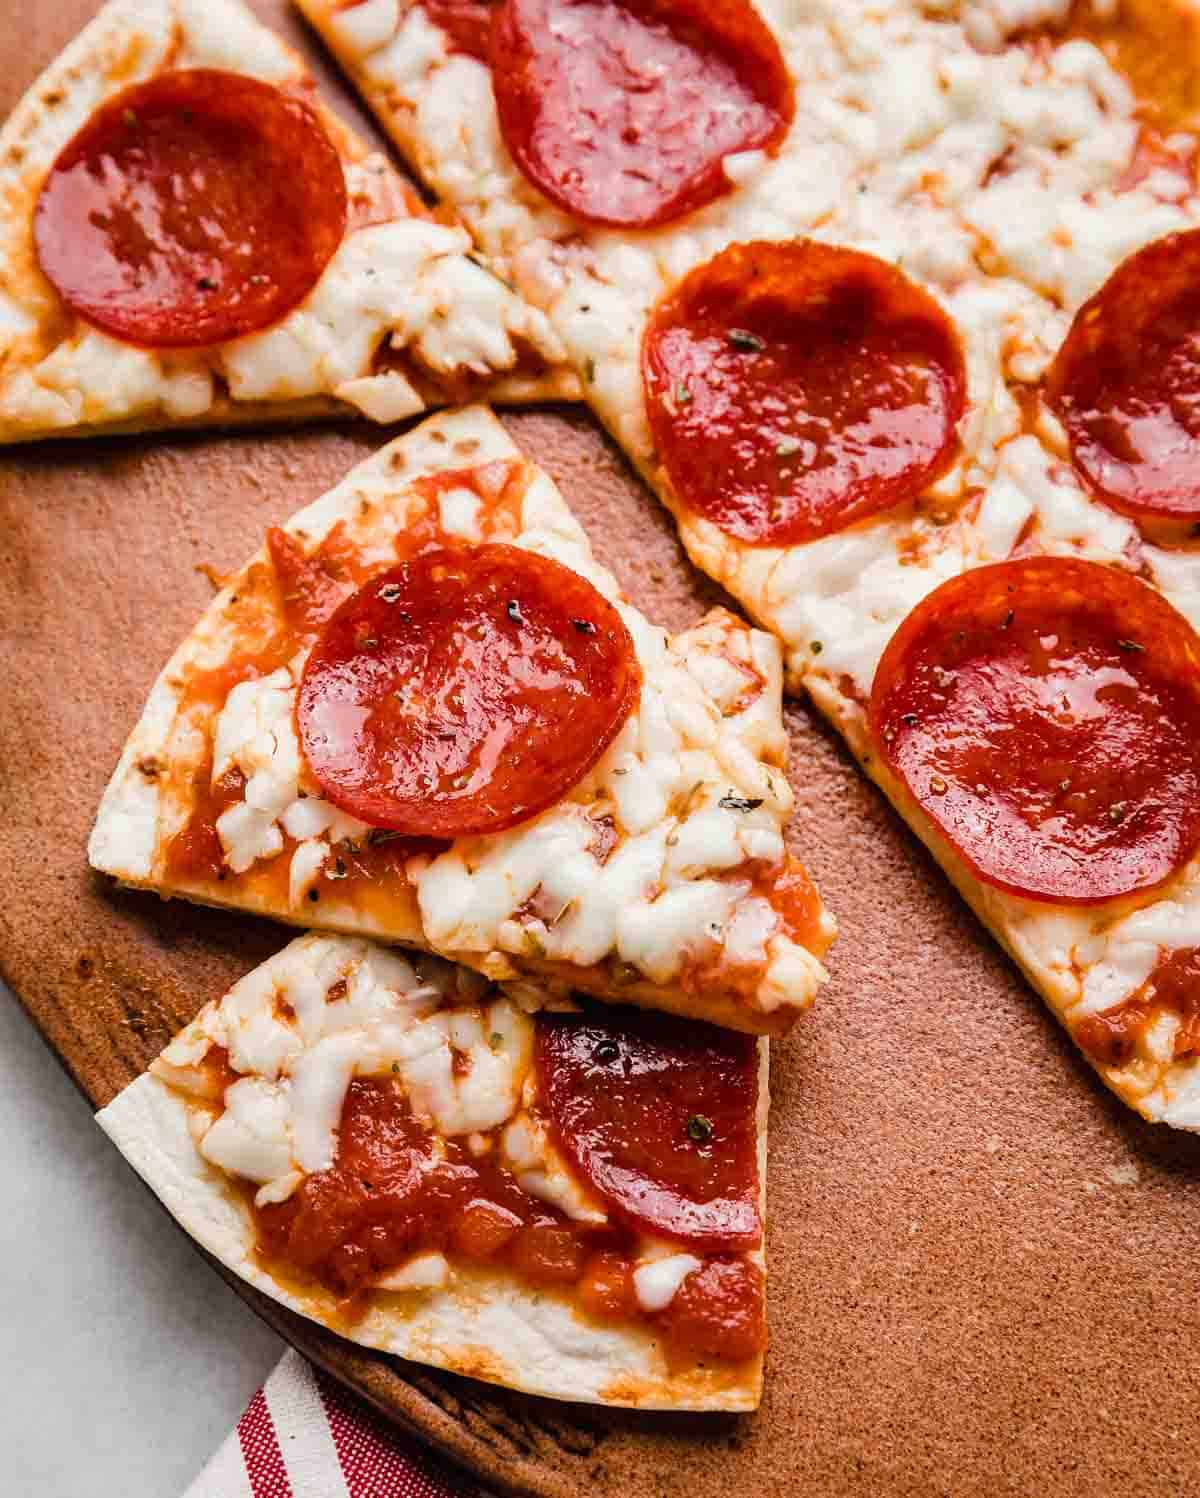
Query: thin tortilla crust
x=484 y=1323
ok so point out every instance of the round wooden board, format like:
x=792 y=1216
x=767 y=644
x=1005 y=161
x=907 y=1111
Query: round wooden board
x=981 y=1264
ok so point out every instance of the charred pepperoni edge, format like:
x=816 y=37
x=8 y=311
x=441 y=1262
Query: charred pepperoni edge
x=386 y=606
x=731 y=28
x=592 y=1054
x=1107 y=343
x=734 y=280
x=1152 y=629
x=306 y=157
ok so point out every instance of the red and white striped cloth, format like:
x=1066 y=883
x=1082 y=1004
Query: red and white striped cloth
x=303 y=1436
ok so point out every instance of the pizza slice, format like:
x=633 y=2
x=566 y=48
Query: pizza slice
x=424 y=713
x=877 y=297
x=563 y=1200
x=192 y=238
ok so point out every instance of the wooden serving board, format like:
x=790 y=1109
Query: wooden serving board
x=982 y=1266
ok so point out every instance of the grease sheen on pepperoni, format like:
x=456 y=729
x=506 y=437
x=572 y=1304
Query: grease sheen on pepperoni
x=464 y=691
x=793 y=389
x=1045 y=713
x=658 y=1114
x=622 y=111
x=194 y=208
x=1126 y=383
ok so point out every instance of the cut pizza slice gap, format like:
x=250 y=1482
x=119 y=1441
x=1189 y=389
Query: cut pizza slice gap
x=193 y=238
x=561 y=1200
x=424 y=713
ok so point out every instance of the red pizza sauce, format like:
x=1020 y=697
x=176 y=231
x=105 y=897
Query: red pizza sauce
x=659 y=1119
x=388 y=1197
x=464 y=691
x=311 y=586
x=194 y=208
x=466 y=23
x=793 y=389
x=622 y=111
x=385 y=1199
x=718 y=1312
x=1155 y=47
x=1126 y=383
x=1110 y=1038
x=789 y=891
x=1045 y=714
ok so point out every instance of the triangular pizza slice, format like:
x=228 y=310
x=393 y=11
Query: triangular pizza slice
x=424 y=713
x=191 y=238
x=567 y=1200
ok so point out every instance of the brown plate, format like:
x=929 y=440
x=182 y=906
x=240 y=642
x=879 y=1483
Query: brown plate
x=983 y=1273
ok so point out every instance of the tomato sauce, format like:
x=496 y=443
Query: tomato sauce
x=1155 y=47
x=195 y=851
x=659 y=1117
x=467 y=24
x=1111 y=1037
x=793 y=896
x=388 y=1196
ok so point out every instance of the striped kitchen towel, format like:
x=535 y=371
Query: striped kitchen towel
x=303 y=1436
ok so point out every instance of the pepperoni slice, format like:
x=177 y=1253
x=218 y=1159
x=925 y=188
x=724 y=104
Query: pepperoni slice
x=658 y=1115
x=197 y=207
x=793 y=389
x=622 y=111
x=1045 y=713
x=465 y=690
x=1126 y=383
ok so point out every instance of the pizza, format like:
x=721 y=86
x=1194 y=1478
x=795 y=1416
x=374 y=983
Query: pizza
x=424 y=713
x=565 y=1201
x=893 y=305
x=190 y=238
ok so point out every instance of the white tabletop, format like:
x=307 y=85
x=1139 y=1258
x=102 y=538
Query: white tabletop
x=126 y=1360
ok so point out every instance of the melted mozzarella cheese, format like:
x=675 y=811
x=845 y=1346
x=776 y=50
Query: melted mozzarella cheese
x=252 y=1137
x=541 y=1170
x=656 y=1283
x=324 y=1010
x=255 y=733
x=423 y=1272
x=464 y=1069
x=409 y=282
